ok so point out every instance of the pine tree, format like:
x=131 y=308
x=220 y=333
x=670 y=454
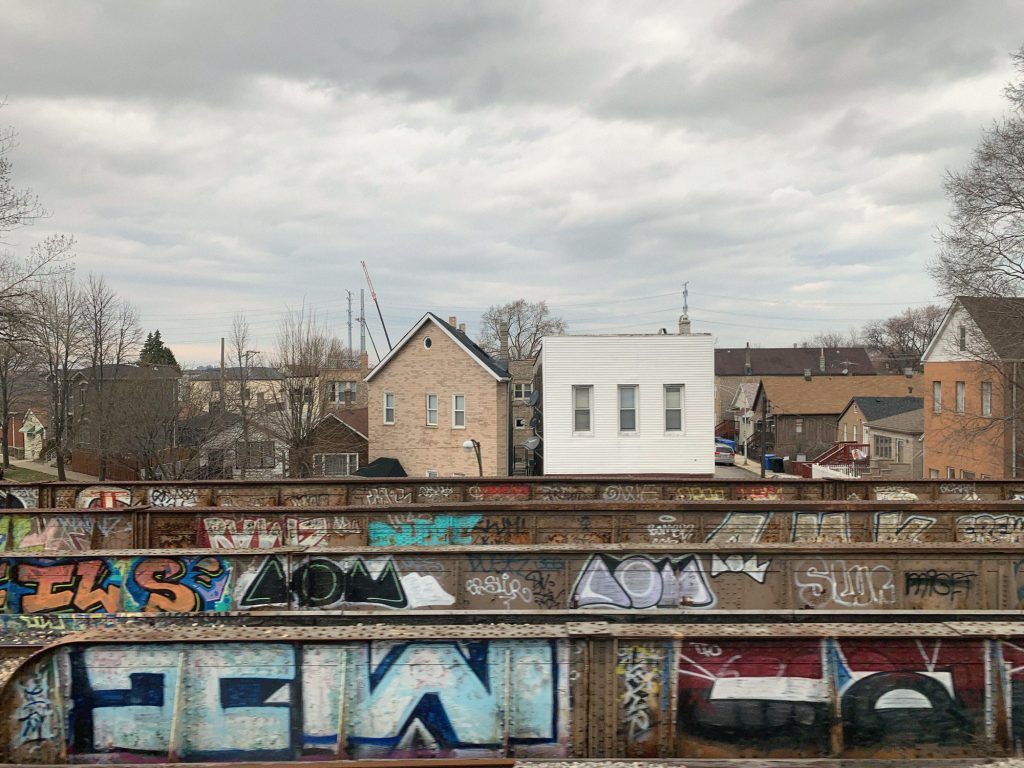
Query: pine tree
x=154 y=352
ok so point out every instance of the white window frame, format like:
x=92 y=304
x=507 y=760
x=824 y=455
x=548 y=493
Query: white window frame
x=456 y=411
x=986 y=398
x=635 y=409
x=933 y=474
x=682 y=424
x=351 y=464
x=391 y=396
x=522 y=391
x=961 y=396
x=432 y=411
x=883 y=447
x=589 y=389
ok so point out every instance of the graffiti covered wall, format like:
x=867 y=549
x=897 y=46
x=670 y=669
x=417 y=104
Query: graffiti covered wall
x=507 y=581
x=289 y=701
x=686 y=697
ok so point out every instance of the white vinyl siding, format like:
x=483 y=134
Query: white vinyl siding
x=601 y=364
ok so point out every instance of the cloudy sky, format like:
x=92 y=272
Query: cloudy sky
x=786 y=158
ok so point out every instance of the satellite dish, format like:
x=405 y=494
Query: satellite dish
x=532 y=443
x=535 y=421
x=534 y=397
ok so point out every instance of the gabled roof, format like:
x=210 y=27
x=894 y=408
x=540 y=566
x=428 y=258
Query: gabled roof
x=254 y=373
x=882 y=407
x=484 y=360
x=125 y=372
x=746 y=392
x=793 y=361
x=1000 y=319
x=910 y=422
x=825 y=395
x=357 y=420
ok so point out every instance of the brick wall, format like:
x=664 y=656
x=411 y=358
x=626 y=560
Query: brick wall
x=968 y=441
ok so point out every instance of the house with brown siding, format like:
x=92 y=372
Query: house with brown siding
x=433 y=392
x=973 y=397
x=803 y=413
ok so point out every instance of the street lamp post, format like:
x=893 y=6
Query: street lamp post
x=472 y=445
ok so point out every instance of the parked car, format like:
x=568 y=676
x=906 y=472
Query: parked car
x=724 y=454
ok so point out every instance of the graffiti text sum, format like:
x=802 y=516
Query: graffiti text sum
x=822 y=582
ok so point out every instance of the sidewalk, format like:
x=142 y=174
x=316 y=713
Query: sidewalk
x=753 y=466
x=38 y=466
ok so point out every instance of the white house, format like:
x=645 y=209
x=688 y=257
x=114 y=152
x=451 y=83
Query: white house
x=628 y=403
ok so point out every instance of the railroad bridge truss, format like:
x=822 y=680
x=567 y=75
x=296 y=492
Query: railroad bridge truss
x=551 y=618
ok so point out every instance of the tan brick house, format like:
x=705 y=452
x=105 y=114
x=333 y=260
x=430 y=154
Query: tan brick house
x=433 y=392
x=972 y=411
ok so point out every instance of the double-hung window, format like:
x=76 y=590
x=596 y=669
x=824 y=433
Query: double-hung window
x=389 y=407
x=936 y=397
x=883 y=447
x=627 y=408
x=986 y=398
x=581 y=405
x=431 y=410
x=674 y=408
x=961 y=396
x=522 y=391
x=458 y=411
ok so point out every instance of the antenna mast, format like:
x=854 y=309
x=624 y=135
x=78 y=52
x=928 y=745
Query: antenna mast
x=373 y=295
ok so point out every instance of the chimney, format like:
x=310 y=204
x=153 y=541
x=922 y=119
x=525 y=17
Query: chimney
x=821 y=360
x=364 y=361
x=462 y=327
x=503 y=343
x=748 y=369
x=451 y=320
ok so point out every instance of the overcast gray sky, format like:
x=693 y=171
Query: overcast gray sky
x=786 y=158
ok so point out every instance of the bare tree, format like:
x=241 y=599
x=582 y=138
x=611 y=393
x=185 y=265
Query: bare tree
x=527 y=322
x=17 y=206
x=982 y=247
x=59 y=341
x=304 y=348
x=900 y=341
x=834 y=339
x=111 y=334
x=15 y=363
x=236 y=393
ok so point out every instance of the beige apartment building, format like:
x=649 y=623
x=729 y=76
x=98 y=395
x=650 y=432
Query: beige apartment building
x=434 y=392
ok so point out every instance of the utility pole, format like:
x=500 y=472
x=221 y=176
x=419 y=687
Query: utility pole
x=764 y=428
x=362 y=322
x=349 y=294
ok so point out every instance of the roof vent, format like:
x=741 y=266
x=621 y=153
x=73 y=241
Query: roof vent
x=663 y=331
x=807 y=374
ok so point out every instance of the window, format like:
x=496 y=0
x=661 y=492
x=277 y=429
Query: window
x=522 y=391
x=341 y=391
x=846 y=432
x=963 y=338
x=259 y=400
x=965 y=475
x=581 y=397
x=389 y=407
x=520 y=423
x=950 y=473
x=627 y=408
x=432 y=472
x=674 y=408
x=458 y=411
x=936 y=397
x=431 y=410
x=855 y=433
x=899 y=454
x=986 y=398
x=299 y=397
x=933 y=474
x=255 y=454
x=798 y=425
x=335 y=464
x=883 y=447
x=961 y=396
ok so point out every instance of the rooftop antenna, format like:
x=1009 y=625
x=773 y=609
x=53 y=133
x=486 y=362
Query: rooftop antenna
x=684 y=319
x=373 y=295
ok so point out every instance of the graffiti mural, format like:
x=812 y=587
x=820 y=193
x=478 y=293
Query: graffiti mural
x=422 y=531
x=990 y=529
x=103 y=497
x=639 y=581
x=644 y=685
x=65 y=532
x=834 y=583
x=284 y=701
x=61 y=585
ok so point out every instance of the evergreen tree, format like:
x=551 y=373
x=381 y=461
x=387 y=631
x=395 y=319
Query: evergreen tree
x=154 y=352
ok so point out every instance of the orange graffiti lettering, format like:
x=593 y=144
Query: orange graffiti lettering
x=160 y=577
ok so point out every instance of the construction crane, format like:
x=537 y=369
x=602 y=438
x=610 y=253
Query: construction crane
x=373 y=295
